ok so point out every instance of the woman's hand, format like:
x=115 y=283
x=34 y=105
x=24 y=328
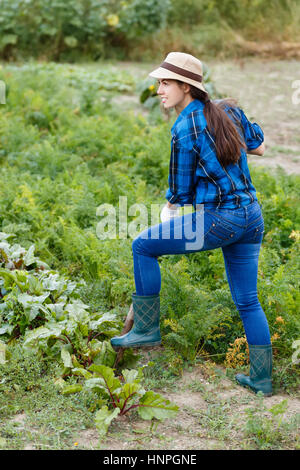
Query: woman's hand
x=172 y=206
x=169 y=211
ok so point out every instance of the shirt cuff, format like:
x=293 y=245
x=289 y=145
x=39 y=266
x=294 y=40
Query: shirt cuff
x=179 y=199
x=257 y=138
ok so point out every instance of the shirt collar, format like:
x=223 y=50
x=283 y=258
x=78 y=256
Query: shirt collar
x=192 y=106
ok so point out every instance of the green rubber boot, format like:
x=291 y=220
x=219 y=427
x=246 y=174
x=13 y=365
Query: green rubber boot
x=260 y=370
x=145 y=331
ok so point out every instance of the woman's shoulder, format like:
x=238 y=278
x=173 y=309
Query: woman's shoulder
x=190 y=127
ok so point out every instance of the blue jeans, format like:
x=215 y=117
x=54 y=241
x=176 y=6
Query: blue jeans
x=238 y=232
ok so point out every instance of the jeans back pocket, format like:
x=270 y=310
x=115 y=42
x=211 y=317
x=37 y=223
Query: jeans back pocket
x=222 y=230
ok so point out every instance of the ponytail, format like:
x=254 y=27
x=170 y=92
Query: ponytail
x=227 y=140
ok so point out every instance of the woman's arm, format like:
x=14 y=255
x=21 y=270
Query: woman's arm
x=258 y=151
x=181 y=176
x=253 y=134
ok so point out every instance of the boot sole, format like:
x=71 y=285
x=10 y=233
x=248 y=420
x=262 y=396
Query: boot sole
x=144 y=346
x=247 y=387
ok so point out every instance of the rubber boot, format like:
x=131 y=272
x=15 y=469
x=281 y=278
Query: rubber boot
x=260 y=370
x=145 y=331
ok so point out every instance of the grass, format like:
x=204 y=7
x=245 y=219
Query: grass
x=282 y=150
x=32 y=409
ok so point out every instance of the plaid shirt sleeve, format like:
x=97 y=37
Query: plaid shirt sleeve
x=253 y=134
x=181 y=174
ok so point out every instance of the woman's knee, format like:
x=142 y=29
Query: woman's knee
x=246 y=304
x=138 y=246
x=135 y=245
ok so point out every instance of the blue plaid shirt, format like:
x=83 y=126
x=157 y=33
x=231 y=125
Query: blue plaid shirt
x=195 y=175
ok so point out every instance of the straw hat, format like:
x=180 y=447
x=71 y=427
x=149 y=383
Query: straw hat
x=181 y=66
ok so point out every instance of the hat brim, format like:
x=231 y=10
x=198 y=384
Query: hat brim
x=162 y=73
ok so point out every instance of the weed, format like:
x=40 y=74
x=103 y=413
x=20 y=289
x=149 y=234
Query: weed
x=266 y=428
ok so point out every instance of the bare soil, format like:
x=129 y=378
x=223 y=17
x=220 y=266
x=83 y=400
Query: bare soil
x=264 y=89
x=212 y=416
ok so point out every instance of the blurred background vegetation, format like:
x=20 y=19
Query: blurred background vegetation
x=147 y=29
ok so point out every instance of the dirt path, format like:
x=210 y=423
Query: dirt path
x=264 y=89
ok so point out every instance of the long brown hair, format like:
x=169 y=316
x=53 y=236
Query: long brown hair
x=227 y=140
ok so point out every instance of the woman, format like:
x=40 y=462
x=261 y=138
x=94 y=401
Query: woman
x=208 y=168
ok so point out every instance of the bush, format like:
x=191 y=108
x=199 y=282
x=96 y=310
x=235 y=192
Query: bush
x=238 y=14
x=35 y=27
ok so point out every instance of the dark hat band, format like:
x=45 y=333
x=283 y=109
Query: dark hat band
x=181 y=71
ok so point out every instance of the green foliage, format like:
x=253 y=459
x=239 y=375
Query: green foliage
x=44 y=307
x=3 y=349
x=296 y=346
x=117 y=396
x=140 y=29
x=28 y=388
x=238 y=14
x=69 y=333
x=21 y=370
x=223 y=29
x=64 y=26
x=139 y=17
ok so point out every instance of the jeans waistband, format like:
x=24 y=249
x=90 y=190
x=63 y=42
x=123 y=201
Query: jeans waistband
x=242 y=209
x=242 y=213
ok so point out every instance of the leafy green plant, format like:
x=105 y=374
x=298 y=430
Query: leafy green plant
x=44 y=307
x=30 y=291
x=117 y=396
x=74 y=338
x=17 y=257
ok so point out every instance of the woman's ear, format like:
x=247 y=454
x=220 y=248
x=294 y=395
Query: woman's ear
x=186 y=88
